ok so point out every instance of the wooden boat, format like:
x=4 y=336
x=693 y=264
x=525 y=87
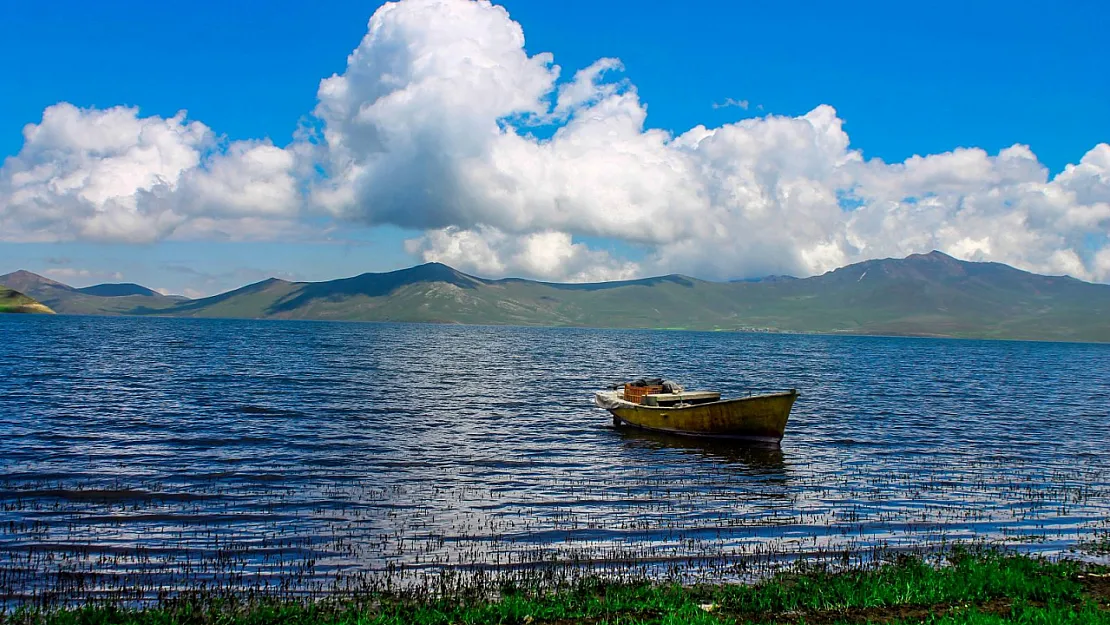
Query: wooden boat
x=759 y=418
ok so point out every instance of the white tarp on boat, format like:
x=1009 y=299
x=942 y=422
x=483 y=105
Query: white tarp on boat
x=611 y=399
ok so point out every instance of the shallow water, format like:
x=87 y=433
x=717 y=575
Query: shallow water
x=168 y=453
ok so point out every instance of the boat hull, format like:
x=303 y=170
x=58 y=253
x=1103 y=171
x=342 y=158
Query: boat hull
x=761 y=418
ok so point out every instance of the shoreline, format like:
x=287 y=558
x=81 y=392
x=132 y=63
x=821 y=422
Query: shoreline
x=961 y=585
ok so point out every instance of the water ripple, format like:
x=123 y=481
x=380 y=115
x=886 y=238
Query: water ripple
x=167 y=451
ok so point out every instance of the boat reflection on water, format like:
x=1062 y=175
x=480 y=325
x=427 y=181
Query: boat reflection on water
x=758 y=459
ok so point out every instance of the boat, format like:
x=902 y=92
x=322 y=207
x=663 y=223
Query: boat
x=756 y=418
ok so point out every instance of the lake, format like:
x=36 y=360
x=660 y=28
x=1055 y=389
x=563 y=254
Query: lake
x=143 y=455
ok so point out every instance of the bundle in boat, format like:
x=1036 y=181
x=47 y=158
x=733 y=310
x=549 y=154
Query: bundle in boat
x=636 y=391
x=635 y=394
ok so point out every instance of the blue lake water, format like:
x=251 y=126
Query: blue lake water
x=163 y=453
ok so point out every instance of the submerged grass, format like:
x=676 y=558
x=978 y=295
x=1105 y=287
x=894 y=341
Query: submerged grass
x=963 y=586
x=1098 y=544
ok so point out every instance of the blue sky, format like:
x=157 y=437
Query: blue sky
x=905 y=79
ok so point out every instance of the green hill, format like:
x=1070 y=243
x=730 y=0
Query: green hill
x=921 y=295
x=16 y=302
x=936 y=295
x=103 y=299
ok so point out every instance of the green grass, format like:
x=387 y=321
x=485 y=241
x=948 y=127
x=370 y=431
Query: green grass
x=969 y=587
x=1099 y=544
x=16 y=302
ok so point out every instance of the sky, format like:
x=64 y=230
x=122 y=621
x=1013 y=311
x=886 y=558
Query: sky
x=196 y=148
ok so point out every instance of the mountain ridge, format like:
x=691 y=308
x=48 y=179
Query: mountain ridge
x=930 y=294
x=100 y=299
x=119 y=289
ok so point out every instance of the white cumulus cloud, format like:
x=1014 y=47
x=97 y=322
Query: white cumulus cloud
x=544 y=255
x=442 y=121
x=429 y=127
x=113 y=175
x=743 y=104
x=82 y=275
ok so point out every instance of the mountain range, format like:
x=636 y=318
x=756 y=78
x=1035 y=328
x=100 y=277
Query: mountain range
x=101 y=299
x=920 y=295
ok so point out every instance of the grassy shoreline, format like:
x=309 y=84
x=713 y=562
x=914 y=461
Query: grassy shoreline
x=961 y=587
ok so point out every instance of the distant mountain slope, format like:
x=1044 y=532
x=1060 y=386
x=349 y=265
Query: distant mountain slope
x=935 y=295
x=65 y=299
x=26 y=282
x=921 y=295
x=124 y=289
x=251 y=301
x=766 y=279
x=12 y=301
x=438 y=293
